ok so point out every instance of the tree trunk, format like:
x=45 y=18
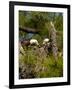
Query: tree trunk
x=53 y=41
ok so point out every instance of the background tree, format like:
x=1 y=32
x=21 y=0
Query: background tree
x=41 y=22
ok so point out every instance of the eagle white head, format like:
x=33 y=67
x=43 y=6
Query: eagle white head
x=46 y=40
x=34 y=41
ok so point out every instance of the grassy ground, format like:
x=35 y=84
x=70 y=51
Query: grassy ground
x=34 y=65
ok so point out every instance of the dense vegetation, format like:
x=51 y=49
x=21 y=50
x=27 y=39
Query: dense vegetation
x=31 y=63
x=35 y=66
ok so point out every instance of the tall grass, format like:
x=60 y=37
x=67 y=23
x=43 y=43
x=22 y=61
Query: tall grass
x=40 y=67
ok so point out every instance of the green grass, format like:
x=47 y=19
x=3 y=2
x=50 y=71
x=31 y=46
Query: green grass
x=42 y=67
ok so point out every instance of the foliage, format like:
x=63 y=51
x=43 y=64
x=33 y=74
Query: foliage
x=30 y=64
x=59 y=23
x=46 y=67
